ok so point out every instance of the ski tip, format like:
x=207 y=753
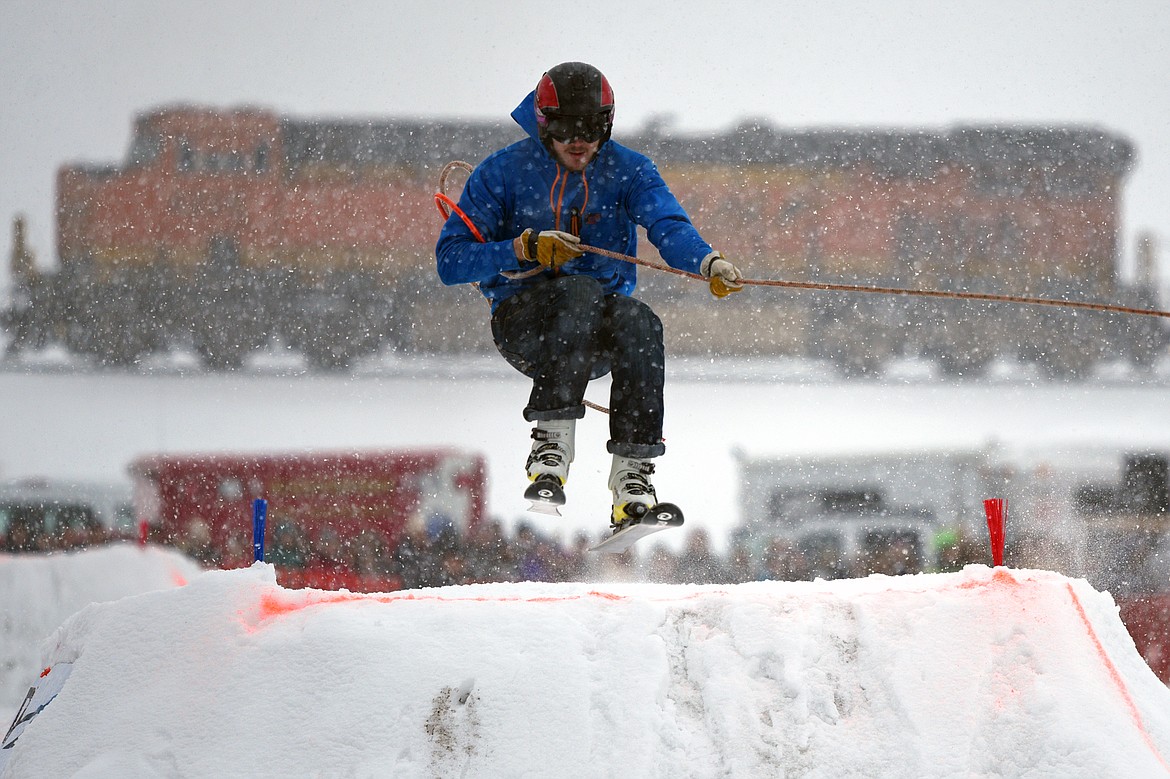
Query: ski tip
x=657 y=518
x=547 y=509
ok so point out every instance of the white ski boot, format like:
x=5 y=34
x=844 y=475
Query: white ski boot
x=633 y=494
x=548 y=464
x=636 y=510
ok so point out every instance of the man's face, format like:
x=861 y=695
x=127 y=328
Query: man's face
x=575 y=154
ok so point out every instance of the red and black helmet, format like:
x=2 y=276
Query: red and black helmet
x=574 y=100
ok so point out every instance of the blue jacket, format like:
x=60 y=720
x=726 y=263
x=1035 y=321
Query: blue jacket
x=521 y=185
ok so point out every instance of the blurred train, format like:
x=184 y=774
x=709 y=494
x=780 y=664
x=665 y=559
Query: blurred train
x=224 y=230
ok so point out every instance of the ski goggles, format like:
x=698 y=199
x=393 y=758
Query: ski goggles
x=567 y=128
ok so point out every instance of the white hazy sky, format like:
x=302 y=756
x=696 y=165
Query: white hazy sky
x=74 y=73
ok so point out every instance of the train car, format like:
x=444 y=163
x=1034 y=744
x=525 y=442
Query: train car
x=225 y=229
x=1018 y=210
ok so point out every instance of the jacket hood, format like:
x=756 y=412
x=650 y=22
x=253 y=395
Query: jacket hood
x=525 y=116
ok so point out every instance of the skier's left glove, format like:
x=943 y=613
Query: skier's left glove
x=551 y=248
x=723 y=277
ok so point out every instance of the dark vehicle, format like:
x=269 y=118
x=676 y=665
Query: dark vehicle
x=38 y=515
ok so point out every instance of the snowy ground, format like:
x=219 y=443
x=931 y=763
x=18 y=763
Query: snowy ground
x=37 y=593
x=980 y=673
x=68 y=424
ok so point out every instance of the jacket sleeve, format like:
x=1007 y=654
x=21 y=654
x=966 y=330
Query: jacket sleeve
x=461 y=257
x=668 y=227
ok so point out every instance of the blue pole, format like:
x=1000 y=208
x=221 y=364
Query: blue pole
x=259 y=517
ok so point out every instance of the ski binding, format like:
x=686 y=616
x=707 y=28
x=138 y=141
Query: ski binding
x=656 y=518
x=545 y=496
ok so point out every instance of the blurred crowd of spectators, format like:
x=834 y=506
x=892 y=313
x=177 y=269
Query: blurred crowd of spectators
x=441 y=556
x=437 y=557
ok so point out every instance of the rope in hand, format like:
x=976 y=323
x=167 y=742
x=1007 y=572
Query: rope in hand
x=446 y=206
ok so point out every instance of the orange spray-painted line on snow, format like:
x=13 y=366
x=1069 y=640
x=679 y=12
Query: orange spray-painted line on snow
x=1003 y=577
x=1118 y=682
x=274 y=604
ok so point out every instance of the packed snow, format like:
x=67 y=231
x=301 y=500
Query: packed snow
x=38 y=592
x=979 y=673
x=985 y=672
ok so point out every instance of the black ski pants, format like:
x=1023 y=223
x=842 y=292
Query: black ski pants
x=565 y=331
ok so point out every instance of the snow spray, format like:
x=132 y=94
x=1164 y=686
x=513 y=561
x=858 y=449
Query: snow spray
x=259 y=519
x=996 y=510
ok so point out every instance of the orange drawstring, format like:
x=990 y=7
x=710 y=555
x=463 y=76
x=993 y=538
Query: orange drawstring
x=560 y=197
x=552 y=206
x=555 y=207
x=584 y=183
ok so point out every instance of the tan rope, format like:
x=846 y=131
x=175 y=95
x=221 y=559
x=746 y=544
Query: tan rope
x=446 y=172
x=826 y=286
x=933 y=293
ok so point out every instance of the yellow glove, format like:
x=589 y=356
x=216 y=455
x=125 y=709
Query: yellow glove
x=723 y=277
x=551 y=248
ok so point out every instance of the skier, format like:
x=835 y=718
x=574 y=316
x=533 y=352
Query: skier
x=564 y=316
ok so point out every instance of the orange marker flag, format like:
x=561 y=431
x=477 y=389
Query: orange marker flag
x=996 y=510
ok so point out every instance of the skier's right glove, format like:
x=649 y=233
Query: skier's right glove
x=723 y=277
x=551 y=248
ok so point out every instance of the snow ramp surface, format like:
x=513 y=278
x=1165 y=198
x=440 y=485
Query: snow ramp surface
x=39 y=592
x=987 y=672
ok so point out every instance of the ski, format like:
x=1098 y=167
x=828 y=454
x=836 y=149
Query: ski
x=659 y=517
x=545 y=496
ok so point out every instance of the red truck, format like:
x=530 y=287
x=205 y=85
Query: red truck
x=334 y=519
